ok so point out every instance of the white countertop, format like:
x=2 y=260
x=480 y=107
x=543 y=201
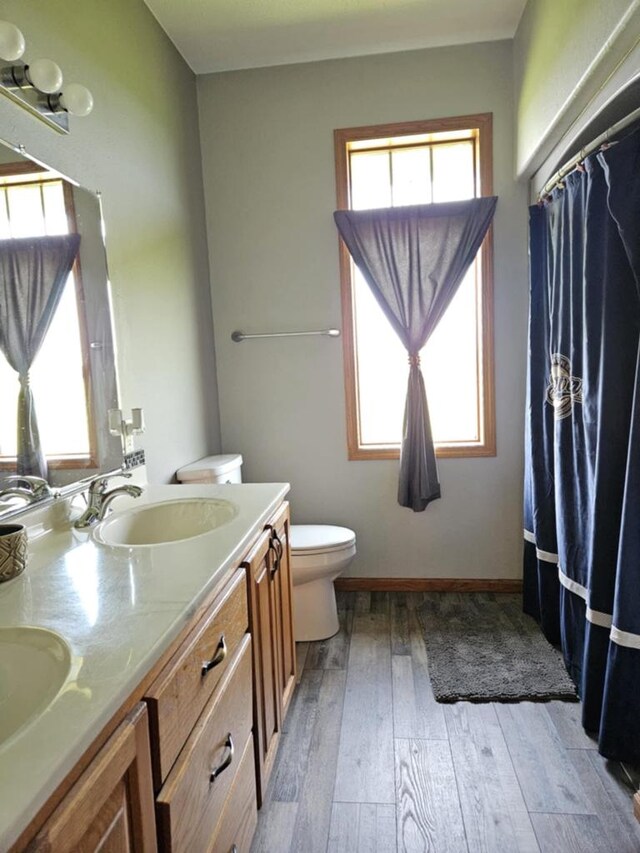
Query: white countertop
x=118 y=609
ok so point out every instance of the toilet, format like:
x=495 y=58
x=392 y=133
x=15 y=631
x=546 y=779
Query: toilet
x=319 y=554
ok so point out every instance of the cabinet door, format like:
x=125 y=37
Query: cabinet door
x=266 y=690
x=282 y=594
x=110 y=808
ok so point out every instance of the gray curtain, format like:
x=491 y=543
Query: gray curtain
x=33 y=273
x=413 y=259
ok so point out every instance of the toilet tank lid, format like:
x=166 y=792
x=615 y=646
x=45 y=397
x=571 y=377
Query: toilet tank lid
x=314 y=537
x=215 y=465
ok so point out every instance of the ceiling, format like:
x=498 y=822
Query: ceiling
x=221 y=35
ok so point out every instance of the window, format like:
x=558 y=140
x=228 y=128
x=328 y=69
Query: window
x=35 y=203
x=418 y=163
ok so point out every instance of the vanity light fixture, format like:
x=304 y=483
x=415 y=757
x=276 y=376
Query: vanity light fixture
x=12 y=43
x=44 y=75
x=76 y=100
x=38 y=85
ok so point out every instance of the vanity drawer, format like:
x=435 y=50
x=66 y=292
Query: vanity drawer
x=190 y=805
x=237 y=825
x=178 y=695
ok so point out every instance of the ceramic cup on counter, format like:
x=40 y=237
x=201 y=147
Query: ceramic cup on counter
x=13 y=551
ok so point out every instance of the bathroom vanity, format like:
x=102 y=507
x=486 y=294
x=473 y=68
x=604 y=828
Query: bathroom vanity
x=182 y=666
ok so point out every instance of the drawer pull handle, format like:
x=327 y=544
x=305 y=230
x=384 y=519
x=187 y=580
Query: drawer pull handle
x=221 y=767
x=219 y=656
x=276 y=544
x=234 y=849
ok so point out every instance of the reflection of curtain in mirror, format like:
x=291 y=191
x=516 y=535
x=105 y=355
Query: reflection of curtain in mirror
x=33 y=273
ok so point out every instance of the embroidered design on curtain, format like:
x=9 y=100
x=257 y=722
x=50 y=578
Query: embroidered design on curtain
x=564 y=390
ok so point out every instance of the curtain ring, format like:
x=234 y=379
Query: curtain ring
x=414 y=359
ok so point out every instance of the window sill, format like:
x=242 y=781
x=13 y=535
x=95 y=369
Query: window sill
x=443 y=451
x=54 y=463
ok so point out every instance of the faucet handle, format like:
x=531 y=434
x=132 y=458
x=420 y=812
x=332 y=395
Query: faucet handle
x=37 y=485
x=98 y=486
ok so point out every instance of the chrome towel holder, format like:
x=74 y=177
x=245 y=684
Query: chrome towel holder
x=237 y=337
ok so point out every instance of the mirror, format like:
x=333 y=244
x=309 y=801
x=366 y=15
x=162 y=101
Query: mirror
x=57 y=351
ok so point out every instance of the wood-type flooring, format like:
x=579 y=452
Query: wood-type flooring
x=370 y=763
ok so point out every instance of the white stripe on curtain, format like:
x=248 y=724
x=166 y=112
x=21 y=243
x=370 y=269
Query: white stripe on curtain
x=596 y=617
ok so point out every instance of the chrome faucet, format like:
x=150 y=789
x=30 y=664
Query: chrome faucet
x=99 y=499
x=34 y=488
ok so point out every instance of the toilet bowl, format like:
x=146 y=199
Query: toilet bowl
x=319 y=554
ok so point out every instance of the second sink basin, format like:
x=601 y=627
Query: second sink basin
x=34 y=664
x=159 y=524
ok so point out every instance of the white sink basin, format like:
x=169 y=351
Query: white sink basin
x=159 y=524
x=34 y=664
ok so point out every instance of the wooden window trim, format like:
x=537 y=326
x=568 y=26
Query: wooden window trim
x=486 y=446
x=79 y=461
x=54 y=463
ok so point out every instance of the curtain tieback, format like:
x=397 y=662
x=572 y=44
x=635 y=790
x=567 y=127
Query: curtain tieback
x=414 y=359
x=25 y=380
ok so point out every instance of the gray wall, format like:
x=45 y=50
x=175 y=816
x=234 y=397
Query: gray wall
x=267 y=145
x=140 y=148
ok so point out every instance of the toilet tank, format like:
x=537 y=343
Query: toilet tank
x=226 y=468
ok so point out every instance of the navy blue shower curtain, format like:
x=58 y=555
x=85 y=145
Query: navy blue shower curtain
x=582 y=441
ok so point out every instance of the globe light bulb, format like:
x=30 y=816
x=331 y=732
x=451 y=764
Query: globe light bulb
x=44 y=75
x=76 y=99
x=12 y=42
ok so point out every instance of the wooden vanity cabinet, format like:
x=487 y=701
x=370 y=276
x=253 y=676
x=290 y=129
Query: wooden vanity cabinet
x=110 y=808
x=271 y=625
x=188 y=768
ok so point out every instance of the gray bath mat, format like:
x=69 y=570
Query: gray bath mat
x=482 y=648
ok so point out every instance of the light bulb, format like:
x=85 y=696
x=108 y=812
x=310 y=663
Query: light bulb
x=12 y=42
x=76 y=99
x=44 y=75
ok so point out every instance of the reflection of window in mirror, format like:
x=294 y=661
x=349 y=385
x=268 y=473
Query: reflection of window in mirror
x=37 y=203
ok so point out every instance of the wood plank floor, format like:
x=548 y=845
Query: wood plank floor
x=369 y=762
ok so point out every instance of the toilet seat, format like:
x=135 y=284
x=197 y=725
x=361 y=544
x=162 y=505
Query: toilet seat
x=317 y=539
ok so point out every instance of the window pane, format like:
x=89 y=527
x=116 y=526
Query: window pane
x=382 y=370
x=61 y=407
x=55 y=213
x=5 y=231
x=62 y=411
x=449 y=364
x=370 y=180
x=25 y=212
x=411 y=176
x=453 y=172
x=9 y=388
x=450 y=367
x=450 y=360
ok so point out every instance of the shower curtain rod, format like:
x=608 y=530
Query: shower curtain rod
x=571 y=164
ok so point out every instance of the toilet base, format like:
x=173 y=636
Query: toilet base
x=315 y=613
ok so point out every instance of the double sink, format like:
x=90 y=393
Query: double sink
x=36 y=662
